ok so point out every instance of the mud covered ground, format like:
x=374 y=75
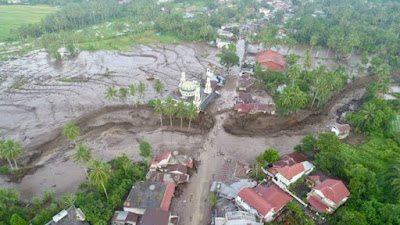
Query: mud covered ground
x=310 y=120
x=36 y=100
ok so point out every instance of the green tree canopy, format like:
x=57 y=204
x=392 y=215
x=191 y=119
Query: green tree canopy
x=145 y=148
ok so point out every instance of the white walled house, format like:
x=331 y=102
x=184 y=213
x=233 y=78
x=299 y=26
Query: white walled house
x=327 y=196
x=289 y=174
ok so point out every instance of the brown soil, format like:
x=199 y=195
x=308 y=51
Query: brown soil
x=273 y=125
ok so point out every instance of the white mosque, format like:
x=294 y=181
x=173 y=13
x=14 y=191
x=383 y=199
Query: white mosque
x=191 y=89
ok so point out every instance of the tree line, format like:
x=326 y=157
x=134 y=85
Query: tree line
x=366 y=26
x=172 y=108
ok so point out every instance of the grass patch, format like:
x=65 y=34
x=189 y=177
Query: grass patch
x=73 y=80
x=124 y=42
x=13 y=16
x=18 y=83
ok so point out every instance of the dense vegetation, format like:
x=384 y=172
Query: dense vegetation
x=370 y=170
x=350 y=26
x=97 y=207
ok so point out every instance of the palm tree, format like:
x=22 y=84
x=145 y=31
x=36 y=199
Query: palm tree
x=123 y=93
x=394 y=175
x=158 y=86
x=99 y=174
x=191 y=113
x=111 y=93
x=294 y=73
x=368 y=113
x=181 y=110
x=132 y=90
x=169 y=108
x=158 y=108
x=11 y=150
x=141 y=89
x=82 y=155
x=71 y=132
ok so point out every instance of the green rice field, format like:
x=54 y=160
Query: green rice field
x=13 y=16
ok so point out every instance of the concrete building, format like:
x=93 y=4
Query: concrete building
x=327 y=196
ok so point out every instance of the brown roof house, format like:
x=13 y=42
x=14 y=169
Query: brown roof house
x=271 y=60
x=125 y=218
x=327 y=196
x=147 y=195
x=158 y=216
x=264 y=202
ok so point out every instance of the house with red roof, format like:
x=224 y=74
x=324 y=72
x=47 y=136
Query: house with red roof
x=327 y=196
x=286 y=174
x=271 y=60
x=262 y=201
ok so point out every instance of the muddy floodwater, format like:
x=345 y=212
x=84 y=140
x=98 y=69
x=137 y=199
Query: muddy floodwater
x=39 y=95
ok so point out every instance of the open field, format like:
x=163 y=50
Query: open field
x=13 y=16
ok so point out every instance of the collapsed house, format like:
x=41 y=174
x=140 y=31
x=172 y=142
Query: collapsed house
x=148 y=195
x=70 y=216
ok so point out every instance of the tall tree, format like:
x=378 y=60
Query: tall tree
x=169 y=108
x=141 y=89
x=291 y=100
x=99 y=174
x=307 y=60
x=158 y=86
x=229 y=59
x=191 y=113
x=123 y=93
x=181 y=110
x=82 y=155
x=293 y=73
x=71 y=132
x=159 y=109
x=132 y=90
x=11 y=150
x=111 y=93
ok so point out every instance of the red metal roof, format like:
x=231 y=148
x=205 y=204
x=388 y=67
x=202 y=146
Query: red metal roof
x=163 y=156
x=290 y=171
x=169 y=193
x=274 y=195
x=271 y=59
x=317 y=204
x=335 y=190
x=255 y=200
x=263 y=199
x=244 y=108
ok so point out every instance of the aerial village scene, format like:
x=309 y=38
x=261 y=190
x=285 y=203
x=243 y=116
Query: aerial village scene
x=199 y=112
